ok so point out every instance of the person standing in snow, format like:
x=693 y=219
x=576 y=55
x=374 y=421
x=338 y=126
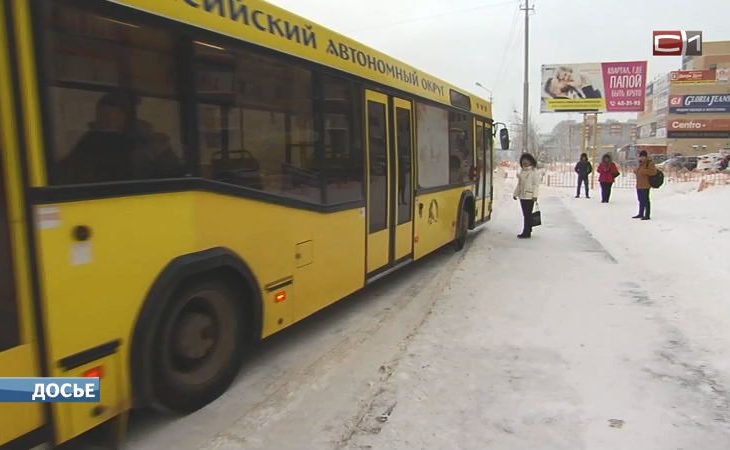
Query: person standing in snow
x=607 y=173
x=528 y=184
x=643 y=171
x=583 y=168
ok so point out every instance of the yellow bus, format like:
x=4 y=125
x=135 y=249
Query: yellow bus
x=183 y=178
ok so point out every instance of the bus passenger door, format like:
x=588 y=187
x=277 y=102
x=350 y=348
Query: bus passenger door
x=403 y=186
x=480 y=197
x=18 y=344
x=378 y=182
x=488 y=171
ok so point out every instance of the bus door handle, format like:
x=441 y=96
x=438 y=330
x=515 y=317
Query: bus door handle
x=81 y=233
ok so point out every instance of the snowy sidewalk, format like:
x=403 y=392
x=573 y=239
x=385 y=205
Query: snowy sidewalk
x=555 y=343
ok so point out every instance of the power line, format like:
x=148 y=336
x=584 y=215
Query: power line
x=508 y=48
x=448 y=13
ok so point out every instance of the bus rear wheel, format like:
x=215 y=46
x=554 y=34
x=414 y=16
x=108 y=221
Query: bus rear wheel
x=462 y=229
x=198 y=346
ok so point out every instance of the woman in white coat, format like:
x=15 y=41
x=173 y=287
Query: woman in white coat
x=528 y=184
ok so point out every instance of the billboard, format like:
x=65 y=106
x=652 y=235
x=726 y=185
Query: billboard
x=593 y=87
x=699 y=103
x=692 y=76
x=698 y=128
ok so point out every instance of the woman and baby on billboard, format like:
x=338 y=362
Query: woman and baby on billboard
x=594 y=87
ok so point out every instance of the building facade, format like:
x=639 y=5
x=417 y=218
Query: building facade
x=569 y=138
x=688 y=110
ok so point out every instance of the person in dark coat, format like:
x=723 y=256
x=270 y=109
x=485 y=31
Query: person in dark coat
x=646 y=169
x=583 y=168
x=607 y=173
x=119 y=147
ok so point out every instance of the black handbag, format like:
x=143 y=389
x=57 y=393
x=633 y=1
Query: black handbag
x=536 y=216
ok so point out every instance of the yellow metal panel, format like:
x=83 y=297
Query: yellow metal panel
x=436 y=221
x=17 y=419
x=29 y=89
x=270 y=26
x=403 y=240
x=338 y=267
x=304 y=253
x=279 y=314
x=378 y=249
x=74 y=419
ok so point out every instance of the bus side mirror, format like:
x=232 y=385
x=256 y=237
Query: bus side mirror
x=504 y=138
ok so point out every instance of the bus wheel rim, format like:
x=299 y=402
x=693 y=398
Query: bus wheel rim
x=200 y=339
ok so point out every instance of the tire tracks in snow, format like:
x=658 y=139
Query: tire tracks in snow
x=376 y=410
x=278 y=400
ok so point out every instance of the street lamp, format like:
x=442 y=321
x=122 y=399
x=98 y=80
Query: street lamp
x=478 y=84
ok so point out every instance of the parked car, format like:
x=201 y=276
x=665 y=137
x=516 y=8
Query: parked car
x=710 y=161
x=679 y=162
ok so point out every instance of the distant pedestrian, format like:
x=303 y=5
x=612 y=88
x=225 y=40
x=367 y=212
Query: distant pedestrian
x=583 y=168
x=528 y=185
x=607 y=173
x=645 y=169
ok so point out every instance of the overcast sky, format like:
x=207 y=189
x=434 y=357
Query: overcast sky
x=465 y=41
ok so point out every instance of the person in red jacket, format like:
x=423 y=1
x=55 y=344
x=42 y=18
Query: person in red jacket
x=607 y=173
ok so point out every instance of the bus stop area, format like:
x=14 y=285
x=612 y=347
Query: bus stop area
x=588 y=335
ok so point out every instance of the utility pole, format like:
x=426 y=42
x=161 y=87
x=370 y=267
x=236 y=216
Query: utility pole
x=526 y=94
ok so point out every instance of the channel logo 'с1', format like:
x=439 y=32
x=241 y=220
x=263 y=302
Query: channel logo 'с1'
x=677 y=43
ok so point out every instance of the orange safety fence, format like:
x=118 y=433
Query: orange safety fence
x=563 y=175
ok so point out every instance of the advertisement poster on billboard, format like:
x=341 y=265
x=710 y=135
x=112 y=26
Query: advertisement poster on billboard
x=699 y=103
x=594 y=87
x=699 y=128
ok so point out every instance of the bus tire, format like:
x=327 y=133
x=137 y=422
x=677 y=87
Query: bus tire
x=462 y=228
x=198 y=346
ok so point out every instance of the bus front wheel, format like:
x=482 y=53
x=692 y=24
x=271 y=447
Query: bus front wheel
x=198 y=346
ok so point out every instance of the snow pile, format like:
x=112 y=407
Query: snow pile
x=682 y=255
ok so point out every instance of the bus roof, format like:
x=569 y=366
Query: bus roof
x=264 y=24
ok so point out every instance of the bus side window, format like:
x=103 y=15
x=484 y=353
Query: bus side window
x=115 y=110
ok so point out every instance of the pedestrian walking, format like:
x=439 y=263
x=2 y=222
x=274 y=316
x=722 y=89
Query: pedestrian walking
x=583 y=168
x=528 y=184
x=607 y=173
x=643 y=171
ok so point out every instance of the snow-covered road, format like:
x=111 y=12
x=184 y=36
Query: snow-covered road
x=601 y=332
